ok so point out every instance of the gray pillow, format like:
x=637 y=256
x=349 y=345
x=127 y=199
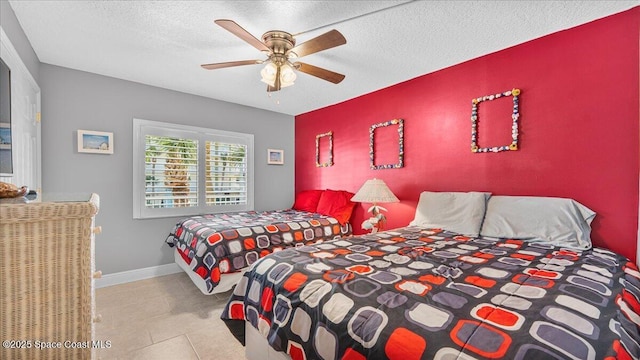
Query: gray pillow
x=460 y=212
x=555 y=221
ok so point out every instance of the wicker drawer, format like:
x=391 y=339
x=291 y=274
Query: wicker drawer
x=46 y=279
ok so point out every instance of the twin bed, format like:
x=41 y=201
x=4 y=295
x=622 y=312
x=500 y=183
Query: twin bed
x=215 y=249
x=473 y=276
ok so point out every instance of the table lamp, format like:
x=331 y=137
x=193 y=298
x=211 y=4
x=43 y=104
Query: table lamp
x=375 y=191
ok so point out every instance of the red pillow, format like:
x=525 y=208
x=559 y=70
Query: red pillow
x=337 y=204
x=307 y=200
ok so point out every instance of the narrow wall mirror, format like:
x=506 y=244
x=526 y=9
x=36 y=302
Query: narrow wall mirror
x=6 y=158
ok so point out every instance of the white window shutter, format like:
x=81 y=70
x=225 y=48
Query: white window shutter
x=183 y=170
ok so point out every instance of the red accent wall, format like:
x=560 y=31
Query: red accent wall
x=579 y=129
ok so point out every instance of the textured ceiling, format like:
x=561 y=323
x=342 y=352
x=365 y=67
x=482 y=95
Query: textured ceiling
x=163 y=43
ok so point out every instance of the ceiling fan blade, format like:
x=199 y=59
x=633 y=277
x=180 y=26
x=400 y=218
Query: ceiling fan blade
x=318 y=72
x=272 y=88
x=325 y=41
x=230 y=64
x=243 y=34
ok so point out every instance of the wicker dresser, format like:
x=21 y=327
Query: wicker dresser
x=47 y=305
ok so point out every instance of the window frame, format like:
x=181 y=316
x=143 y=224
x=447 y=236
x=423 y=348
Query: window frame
x=142 y=127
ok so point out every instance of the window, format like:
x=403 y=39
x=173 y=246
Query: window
x=184 y=170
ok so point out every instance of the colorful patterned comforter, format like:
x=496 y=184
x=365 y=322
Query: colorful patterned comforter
x=222 y=243
x=417 y=293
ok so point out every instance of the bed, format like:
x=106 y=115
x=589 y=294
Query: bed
x=502 y=277
x=215 y=249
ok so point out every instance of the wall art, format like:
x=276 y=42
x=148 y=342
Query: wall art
x=95 y=142
x=515 y=116
x=372 y=131
x=275 y=157
x=329 y=161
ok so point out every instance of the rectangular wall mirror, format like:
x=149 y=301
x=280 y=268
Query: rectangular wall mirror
x=6 y=158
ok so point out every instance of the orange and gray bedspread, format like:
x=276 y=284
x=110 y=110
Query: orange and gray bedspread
x=216 y=244
x=415 y=293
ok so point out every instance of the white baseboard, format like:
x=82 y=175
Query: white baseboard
x=138 y=274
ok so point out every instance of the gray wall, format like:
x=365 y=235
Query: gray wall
x=73 y=100
x=19 y=40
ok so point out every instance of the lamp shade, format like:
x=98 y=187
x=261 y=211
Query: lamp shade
x=269 y=73
x=374 y=191
x=287 y=75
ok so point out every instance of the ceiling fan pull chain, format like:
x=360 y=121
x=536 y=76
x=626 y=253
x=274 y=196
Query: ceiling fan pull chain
x=276 y=101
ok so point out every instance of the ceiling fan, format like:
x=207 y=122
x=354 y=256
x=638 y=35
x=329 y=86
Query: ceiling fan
x=281 y=50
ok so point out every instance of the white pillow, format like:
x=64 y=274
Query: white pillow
x=460 y=212
x=556 y=221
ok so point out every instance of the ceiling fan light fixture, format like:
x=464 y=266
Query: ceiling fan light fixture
x=287 y=75
x=272 y=72
x=268 y=74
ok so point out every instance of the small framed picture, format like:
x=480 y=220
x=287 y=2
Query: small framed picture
x=275 y=157
x=95 y=142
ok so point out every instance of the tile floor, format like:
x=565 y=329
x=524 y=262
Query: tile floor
x=163 y=318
